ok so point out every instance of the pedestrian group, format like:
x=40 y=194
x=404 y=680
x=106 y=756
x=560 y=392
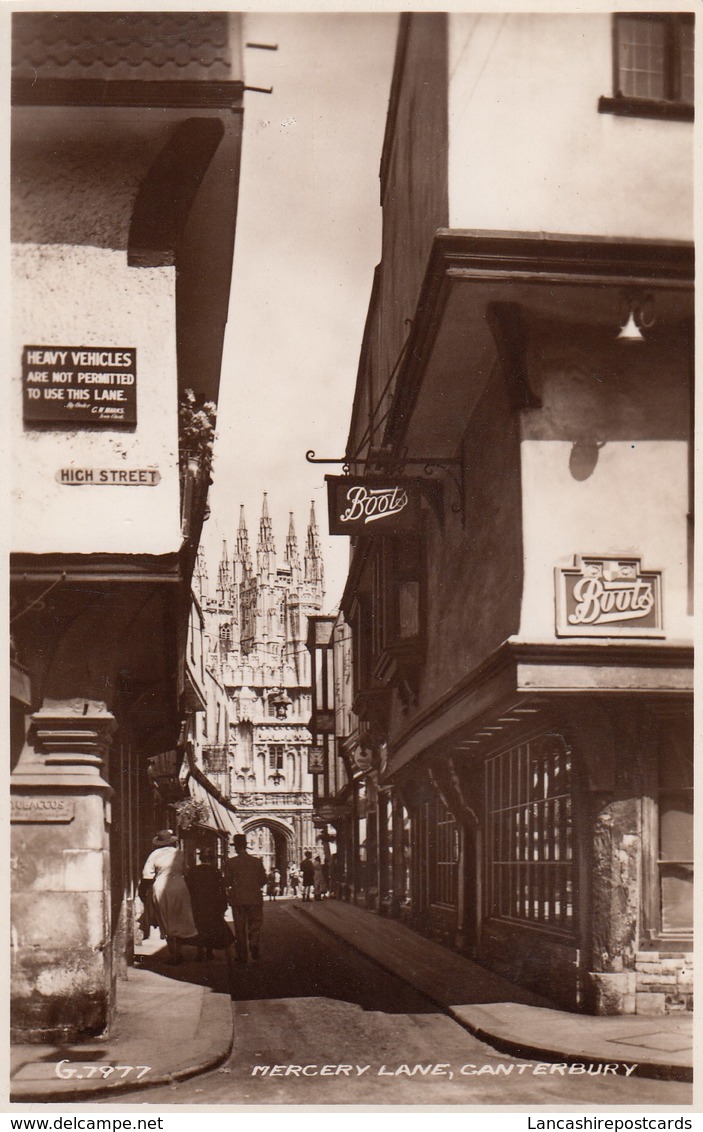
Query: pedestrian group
x=189 y=909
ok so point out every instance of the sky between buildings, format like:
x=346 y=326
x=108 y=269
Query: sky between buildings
x=308 y=239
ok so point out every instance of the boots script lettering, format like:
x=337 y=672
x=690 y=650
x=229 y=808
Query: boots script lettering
x=370 y=504
x=599 y=602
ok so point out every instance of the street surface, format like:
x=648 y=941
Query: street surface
x=316 y=1023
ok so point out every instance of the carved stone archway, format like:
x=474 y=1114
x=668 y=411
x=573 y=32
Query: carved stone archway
x=273 y=840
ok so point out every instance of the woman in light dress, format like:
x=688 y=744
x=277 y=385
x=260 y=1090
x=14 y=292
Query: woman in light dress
x=171 y=900
x=320 y=881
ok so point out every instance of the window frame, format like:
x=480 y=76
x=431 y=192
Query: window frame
x=672 y=106
x=655 y=935
x=434 y=836
x=444 y=856
x=276 y=757
x=526 y=872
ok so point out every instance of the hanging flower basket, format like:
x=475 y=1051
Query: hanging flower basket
x=189 y=813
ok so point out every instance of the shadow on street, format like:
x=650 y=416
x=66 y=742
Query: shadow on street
x=299 y=959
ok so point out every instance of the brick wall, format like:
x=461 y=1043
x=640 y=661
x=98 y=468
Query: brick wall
x=664 y=982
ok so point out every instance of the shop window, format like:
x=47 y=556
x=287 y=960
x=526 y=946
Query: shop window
x=361 y=622
x=408 y=609
x=529 y=847
x=445 y=856
x=653 y=72
x=399 y=595
x=398 y=649
x=436 y=846
x=675 y=858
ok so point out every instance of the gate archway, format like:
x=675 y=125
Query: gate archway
x=273 y=841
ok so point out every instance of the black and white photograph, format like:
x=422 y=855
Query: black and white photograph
x=351 y=558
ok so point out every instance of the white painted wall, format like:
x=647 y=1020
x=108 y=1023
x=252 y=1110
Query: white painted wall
x=529 y=154
x=69 y=295
x=633 y=504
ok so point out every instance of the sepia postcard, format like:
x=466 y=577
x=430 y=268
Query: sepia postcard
x=351 y=559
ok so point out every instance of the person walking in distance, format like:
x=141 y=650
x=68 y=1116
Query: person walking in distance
x=245 y=877
x=271 y=885
x=319 y=879
x=307 y=870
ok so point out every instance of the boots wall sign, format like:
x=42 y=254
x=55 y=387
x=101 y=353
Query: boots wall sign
x=604 y=596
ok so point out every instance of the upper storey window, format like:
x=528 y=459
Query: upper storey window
x=652 y=65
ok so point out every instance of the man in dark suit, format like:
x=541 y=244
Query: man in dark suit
x=245 y=877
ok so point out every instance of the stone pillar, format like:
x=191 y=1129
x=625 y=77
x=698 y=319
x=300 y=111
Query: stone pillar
x=60 y=868
x=610 y=743
x=398 y=857
x=371 y=870
x=616 y=891
x=460 y=933
x=345 y=855
x=383 y=851
x=358 y=878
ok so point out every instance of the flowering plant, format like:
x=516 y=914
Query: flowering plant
x=196 y=430
x=190 y=812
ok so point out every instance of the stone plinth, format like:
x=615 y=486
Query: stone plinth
x=60 y=943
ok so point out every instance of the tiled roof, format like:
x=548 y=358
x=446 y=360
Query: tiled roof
x=164 y=46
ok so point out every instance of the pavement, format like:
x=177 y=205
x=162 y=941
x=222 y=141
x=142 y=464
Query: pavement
x=506 y=1016
x=167 y=1030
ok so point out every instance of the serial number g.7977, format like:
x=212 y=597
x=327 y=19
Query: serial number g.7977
x=68 y=1070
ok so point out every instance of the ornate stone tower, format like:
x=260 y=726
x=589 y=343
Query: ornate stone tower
x=257 y=624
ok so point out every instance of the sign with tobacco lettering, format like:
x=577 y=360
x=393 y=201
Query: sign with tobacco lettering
x=41 y=808
x=370 y=504
x=79 y=386
x=608 y=597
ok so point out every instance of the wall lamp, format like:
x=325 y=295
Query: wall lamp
x=636 y=315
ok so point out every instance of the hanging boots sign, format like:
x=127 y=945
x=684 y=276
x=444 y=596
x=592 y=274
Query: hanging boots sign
x=370 y=504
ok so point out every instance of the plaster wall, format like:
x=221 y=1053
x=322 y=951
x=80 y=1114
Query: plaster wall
x=605 y=470
x=633 y=504
x=72 y=295
x=76 y=172
x=527 y=154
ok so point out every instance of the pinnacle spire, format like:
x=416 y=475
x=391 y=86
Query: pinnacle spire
x=292 y=555
x=200 y=574
x=224 y=575
x=242 y=554
x=314 y=569
x=265 y=548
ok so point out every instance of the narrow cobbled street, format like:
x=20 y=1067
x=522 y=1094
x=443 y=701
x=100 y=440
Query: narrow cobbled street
x=315 y=1022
